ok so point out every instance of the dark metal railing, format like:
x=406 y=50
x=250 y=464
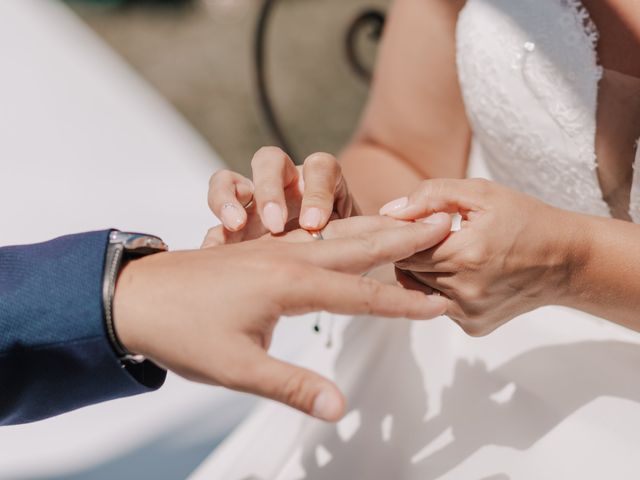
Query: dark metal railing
x=370 y=22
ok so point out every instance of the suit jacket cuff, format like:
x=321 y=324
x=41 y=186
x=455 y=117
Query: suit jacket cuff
x=54 y=352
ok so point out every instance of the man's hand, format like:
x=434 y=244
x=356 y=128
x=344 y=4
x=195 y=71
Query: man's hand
x=209 y=315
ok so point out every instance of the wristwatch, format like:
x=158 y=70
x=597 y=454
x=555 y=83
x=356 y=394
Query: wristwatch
x=123 y=246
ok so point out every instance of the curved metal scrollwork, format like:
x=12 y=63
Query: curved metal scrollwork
x=369 y=22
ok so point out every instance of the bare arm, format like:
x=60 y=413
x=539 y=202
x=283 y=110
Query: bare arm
x=605 y=280
x=414 y=126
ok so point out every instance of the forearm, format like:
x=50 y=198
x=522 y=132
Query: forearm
x=376 y=175
x=605 y=275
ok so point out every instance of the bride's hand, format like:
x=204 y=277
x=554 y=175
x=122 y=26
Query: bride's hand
x=279 y=192
x=511 y=255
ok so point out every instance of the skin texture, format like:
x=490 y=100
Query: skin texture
x=514 y=253
x=485 y=269
x=209 y=314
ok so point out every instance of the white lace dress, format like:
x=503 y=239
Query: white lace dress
x=554 y=394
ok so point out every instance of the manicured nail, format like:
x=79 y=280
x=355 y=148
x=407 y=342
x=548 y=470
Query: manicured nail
x=311 y=219
x=273 y=217
x=231 y=216
x=327 y=406
x=436 y=219
x=394 y=206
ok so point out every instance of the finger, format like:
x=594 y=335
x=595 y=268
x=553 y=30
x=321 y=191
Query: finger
x=411 y=281
x=219 y=235
x=435 y=259
x=362 y=252
x=273 y=172
x=322 y=174
x=442 y=282
x=440 y=195
x=458 y=253
x=319 y=289
x=338 y=228
x=297 y=387
x=344 y=204
x=213 y=238
x=229 y=192
x=408 y=281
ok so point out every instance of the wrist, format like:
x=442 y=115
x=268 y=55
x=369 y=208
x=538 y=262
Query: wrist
x=123 y=250
x=573 y=246
x=125 y=313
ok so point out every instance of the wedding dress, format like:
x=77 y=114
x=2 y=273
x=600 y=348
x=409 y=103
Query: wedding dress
x=555 y=393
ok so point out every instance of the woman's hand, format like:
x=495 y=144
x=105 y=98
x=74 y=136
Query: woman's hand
x=280 y=192
x=512 y=254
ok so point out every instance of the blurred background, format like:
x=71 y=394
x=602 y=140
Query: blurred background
x=201 y=56
x=115 y=114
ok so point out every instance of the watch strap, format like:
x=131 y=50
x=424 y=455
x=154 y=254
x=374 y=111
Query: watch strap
x=123 y=246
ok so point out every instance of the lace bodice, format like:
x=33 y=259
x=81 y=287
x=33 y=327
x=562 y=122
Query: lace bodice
x=529 y=75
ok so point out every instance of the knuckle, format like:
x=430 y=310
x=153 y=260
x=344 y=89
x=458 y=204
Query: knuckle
x=268 y=155
x=317 y=197
x=266 y=191
x=426 y=187
x=370 y=247
x=480 y=185
x=214 y=236
x=323 y=161
x=473 y=293
x=296 y=390
x=431 y=188
x=221 y=176
x=237 y=374
x=474 y=256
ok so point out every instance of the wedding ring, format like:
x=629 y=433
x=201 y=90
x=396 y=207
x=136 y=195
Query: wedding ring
x=249 y=203
x=316 y=235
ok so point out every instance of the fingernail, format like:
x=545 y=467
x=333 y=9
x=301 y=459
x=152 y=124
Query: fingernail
x=394 y=206
x=273 y=217
x=312 y=218
x=231 y=216
x=327 y=406
x=436 y=219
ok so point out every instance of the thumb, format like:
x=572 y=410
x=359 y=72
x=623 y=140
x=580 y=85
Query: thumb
x=440 y=195
x=297 y=387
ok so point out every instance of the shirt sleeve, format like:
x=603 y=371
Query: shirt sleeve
x=55 y=355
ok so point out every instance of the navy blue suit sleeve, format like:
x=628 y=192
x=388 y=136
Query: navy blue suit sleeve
x=54 y=352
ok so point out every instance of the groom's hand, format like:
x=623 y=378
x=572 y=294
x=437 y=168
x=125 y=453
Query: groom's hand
x=209 y=314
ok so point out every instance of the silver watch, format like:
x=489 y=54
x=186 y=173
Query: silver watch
x=123 y=246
